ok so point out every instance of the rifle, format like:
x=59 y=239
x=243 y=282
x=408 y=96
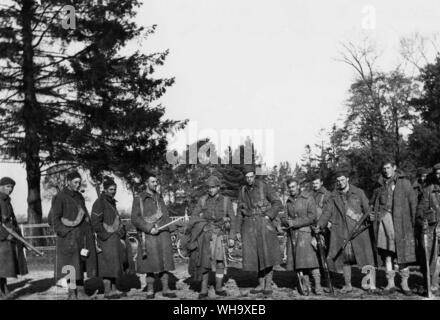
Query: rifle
x=427 y=271
x=353 y=234
x=22 y=240
x=170 y=223
x=323 y=261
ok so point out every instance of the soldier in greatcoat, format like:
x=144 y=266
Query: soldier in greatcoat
x=420 y=183
x=428 y=217
x=419 y=186
x=111 y=233
x=75 y=242
x=321 y=196
x=155 y=251
x=12 y=259
x=395 y=204
x=258 y=206
x=212 y=222
x=301 y=215
x=346 y=207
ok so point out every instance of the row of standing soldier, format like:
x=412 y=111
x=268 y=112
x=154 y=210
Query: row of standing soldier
x=401 y=216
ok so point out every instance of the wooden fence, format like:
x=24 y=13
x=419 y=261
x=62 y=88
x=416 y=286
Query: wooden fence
x=49 y=235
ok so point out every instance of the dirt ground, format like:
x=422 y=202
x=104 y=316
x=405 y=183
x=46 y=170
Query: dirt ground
x=39 y=285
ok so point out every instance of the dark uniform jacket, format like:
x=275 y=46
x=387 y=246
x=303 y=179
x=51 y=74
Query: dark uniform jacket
x=159 y=247
x=261 y=247
x=355 y=203
x=301 y=210
x=429 y=209
x=71 y=222
x=12 y=259
x=404 y=205
x=211 y=216
x=112 y=261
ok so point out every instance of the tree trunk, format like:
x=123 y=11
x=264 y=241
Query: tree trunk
x=31 y=117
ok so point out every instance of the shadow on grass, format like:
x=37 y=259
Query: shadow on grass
x=36 y=286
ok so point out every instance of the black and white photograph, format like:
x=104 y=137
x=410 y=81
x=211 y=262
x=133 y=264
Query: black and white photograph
x=218 y=150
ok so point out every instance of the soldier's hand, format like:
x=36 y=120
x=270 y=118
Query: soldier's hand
x=372 y=216
x=316 y=229
x=154 y=231
x=9 y=237
x=314 y=243
x=284 y=222
x=231 y=242
x=238 y=236
x=425 y=225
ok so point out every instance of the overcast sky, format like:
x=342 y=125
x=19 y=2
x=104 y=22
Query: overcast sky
x=270 y=65
x=263 y=65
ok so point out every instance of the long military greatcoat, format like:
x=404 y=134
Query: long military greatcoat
x=12 y=260
x=429 y=207
x=404 y=206
x=261 y=248
x=66 y=209
x=159 y=246
x=335 y=211
x=112 y=261
x=211 y=212
x=302 y=213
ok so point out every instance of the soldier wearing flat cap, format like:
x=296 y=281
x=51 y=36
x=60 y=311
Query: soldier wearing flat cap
x=155 y=252
x=111 y=233
x=428 y=216
x=75 y=241
x=12 y=259
x=346 y=206
x=211 y=221
x=258 y=206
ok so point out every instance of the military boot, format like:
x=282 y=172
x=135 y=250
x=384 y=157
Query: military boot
x=166 y=292
x=81 y=293
x=71 y=294
x=347 y=279
x=107 y=288
x=204 y=286
x=219 y=289
x=317 y=279
x=260 y=287
x=404 y=275
x=4 y=292
x=150 y=286
x=391 y=287
x=268 y=284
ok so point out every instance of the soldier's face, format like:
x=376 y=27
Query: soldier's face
x=74 y=184
x=7 y=189
x=293 y=188
x=317 y=184
x=423 y=177
x=437 y=173
x=341 y=182
x=250 y=178
x=111 y=191
x=388 y=170
x=213 y=190
x=152 y=183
